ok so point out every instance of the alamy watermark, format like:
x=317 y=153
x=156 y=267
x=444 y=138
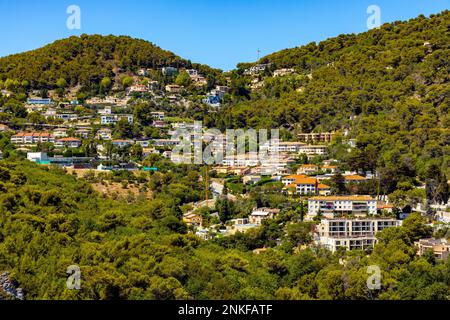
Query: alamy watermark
x=73 y=22
x=74 y=280
x=374 y=280
x=374 y=19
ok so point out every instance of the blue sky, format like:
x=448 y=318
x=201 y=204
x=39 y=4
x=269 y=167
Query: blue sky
x=218 y=33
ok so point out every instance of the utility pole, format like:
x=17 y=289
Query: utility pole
x=206 y=184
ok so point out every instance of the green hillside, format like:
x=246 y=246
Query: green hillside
x=140 y=250
x=388 y=87
x=86 y=60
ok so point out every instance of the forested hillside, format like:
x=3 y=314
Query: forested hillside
x=50 y=221
x=86 y=60
x=388 y=87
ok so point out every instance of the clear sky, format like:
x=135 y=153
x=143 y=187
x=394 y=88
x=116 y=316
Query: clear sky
x=219 y=33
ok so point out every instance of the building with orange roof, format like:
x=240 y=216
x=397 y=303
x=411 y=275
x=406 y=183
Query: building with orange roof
x=292 y=178
x=354 y=178
x=331 y=206
x=192 y=219
x=307 y=186
x=439 y=247
x=329 y=168
x=385 y=206
x=23 y=138
x=323 y=189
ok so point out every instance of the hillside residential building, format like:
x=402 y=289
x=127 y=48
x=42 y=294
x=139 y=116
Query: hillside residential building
x=121 y=143
x=165 y=142
x=192 y=219
x=307 y=169
x=239 y=225
x=138 y=88
x=83 y=133
x=45 y=101
x=333 y=206
x=283 y=146
x=443 y=216
x=23 y=138
x=329 y=168
x=282 y=72
x=259 y=215
x=316 y=137
x=4 y=128
x=192 y=72
x=169 y=71
x=354 y=178
x=68 y=143
x=313 y=150
x=104 y=134
x=60 y=133
x=440 y=247
x=307 y=186
x=249 y=160
x=66 y=116
x=173 y=88
x=292 y=178
x=159 y=124
x=105 y=111
x=114 y=118
x=352 y=234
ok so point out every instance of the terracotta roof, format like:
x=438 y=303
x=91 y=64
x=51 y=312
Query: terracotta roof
x=323 y=186
x=305 y=181
x=343 y=198
x=354 y=177
x=69 y=139
x=384 y=206
x=33 y=134
x=295 y=176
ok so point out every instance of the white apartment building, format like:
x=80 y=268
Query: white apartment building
x=352 y=234
x=246 y=160
x=114 y=118
x=275 y=145
x=313 y=150
x=331 y=206
x=32 y=138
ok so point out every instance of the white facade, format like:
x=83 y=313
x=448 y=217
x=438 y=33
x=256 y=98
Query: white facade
x=352 y=234
x=313 y=150
x=114 y=118
x=335 y=205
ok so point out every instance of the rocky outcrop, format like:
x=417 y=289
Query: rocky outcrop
x=9 y=288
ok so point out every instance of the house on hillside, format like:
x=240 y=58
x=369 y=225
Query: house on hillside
x=259 y=215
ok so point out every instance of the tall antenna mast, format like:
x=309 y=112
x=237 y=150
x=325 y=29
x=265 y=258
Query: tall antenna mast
x=206 y=184
x=259 y=52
